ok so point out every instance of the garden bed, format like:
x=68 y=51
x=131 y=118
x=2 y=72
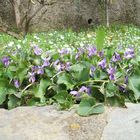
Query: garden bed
x=91 y=68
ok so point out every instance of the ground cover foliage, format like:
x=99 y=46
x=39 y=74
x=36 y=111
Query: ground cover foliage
x=91 y=68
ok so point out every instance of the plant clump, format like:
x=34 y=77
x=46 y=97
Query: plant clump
x=91 y=74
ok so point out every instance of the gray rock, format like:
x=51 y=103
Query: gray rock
x=46 y=123
x=123 y=124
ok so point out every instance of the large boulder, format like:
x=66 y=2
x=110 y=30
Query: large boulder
x=48 y=123
x=123 y=124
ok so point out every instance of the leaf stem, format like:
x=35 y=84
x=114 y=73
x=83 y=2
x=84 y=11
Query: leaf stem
x=57 y=74
x=27 y=87
x=94 y=81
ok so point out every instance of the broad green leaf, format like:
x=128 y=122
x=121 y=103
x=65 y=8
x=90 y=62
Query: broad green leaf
x=136 y=60
x=134 y=85
x=84 y=75
x=13 y=102
x=11 y=71
x=109 y=52
x=97 y=94
x=5 y=89
x=12 y=68
x=77 y=67
x=116 y=101
x=111 y=90
x=22 y=74
x=100 y=75
x=49 y=72
x=88 y=107
x=118 y=74
x=41 y=89
x=64 y=99
x=80 y=72
x=22 y=71
x=3 y=93
x=33 y=101
x=65 y=79
x=9 y=74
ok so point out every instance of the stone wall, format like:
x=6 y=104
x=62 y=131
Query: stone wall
x=75 y=14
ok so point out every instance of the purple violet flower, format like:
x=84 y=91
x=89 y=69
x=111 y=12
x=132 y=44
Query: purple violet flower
x=112 y=77
x=81 y=50
x=60 y=67
x=63 y=51
x=46 y=63
x=16 y=83
x=122 y=88
x=6 y=61
x=67 y=66
x=37 y=50
x=77 y=56
x=32 y=77
x=91 y=51
x=83 y=89
x=56 y=63
x=101 y=53
x=40 y=70
x=116 y=57
x=74 y=92
x=63 y=66
x=89 y=91
x=79 y=53
x=92 y=70
x=126 y=80
x=102 y=63
x=129 y=53
x=34 y=68
x=111 y=71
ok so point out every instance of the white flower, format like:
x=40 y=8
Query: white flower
x=18 y=46
x=62 y=37
x=11 y=44
x=36 y=37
